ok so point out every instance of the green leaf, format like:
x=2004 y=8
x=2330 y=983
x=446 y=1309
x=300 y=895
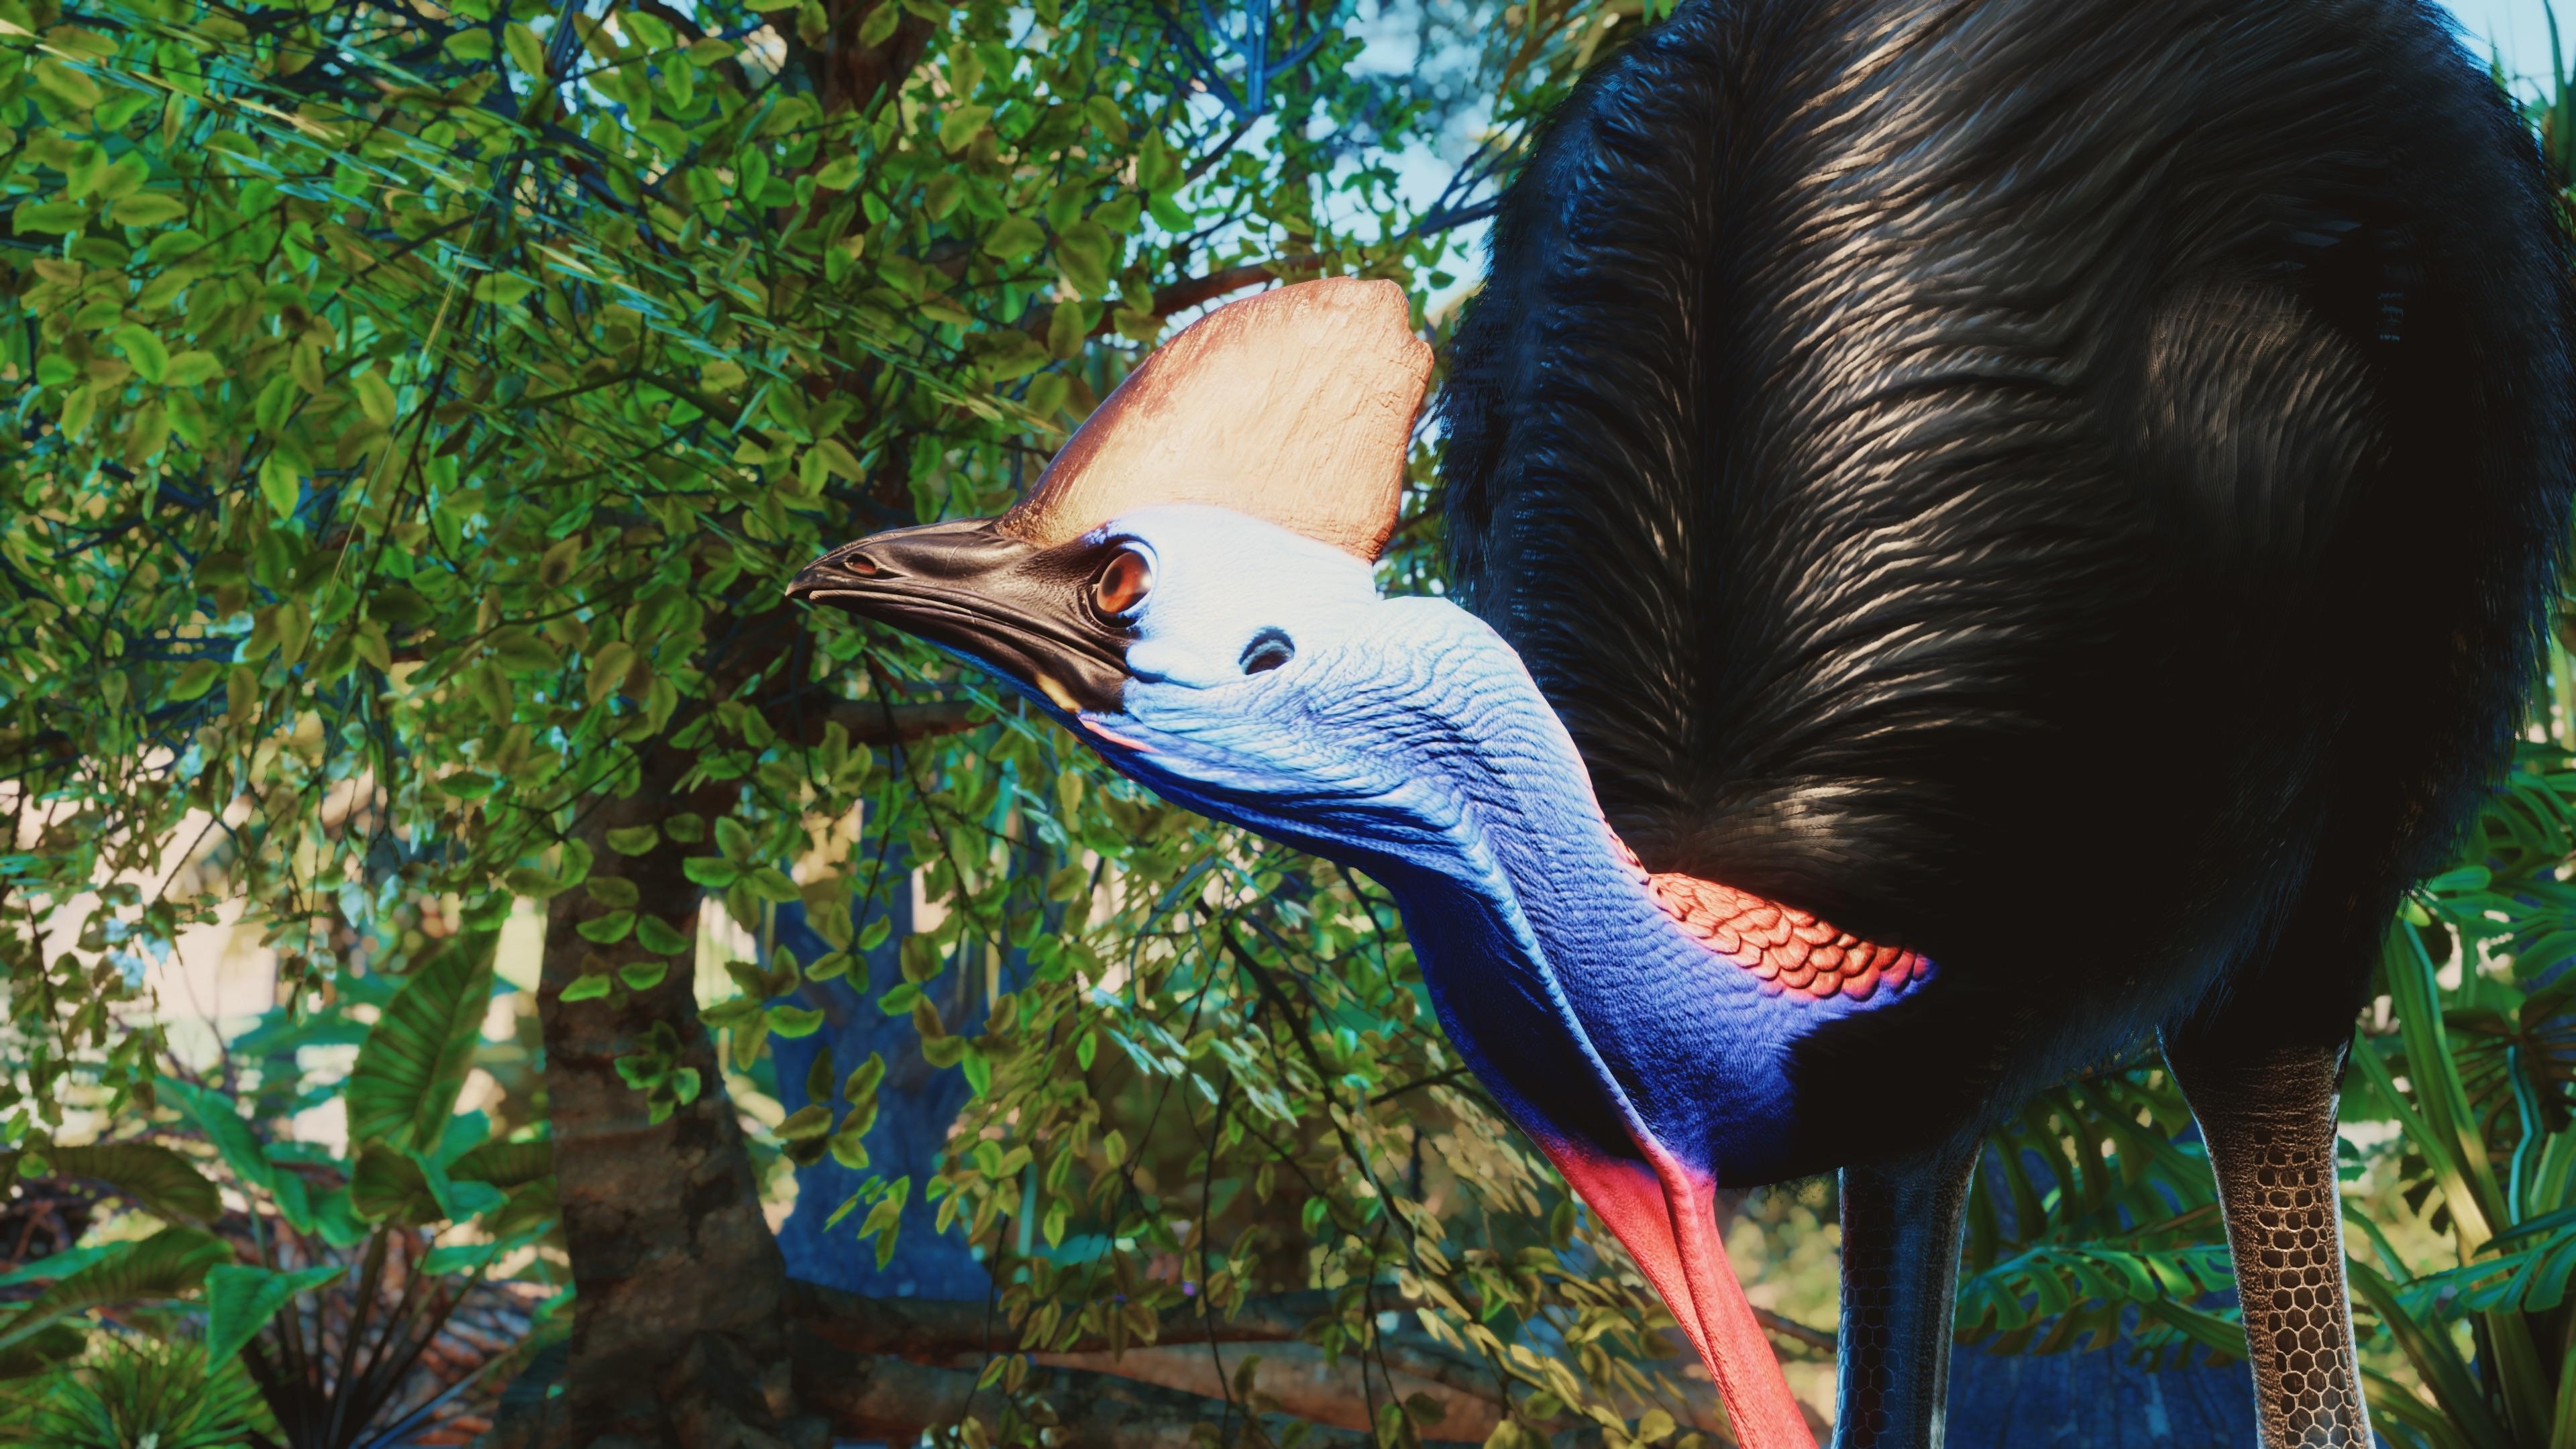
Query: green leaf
x=838 y=174
x=1086 y=251
x=608 y=671
x=159 y=1180
x=1103 y=112
x=195 y=679
x=810 y=1121
x=643 y=975
x=304 y=364
x=712 y=871
x=861 y=1084
x=144 y=350
x=918 y=957
x=375 y=396
x=771 y=884
x=148 y=208
x=242 y=1298
x=884 y=1220
x=163 y=1266
x=74 y=88
x=1013 y=238
x=280 y=485
x=748 y=979
x=1015 y=355
x=738 y=1013
x=505 y=1164
x=188 y=369
x=413 y=1062
x=613 y=891
x=589 y=988
x=838 y=458
x=661 y=937
x=214 y=1115
x=388 y=1184
x=609 y=929
x=962 y=125
x=634 y=839
x=526 y=51
x=49 y=216
x=79 y=406
x=521 y=651
x=794 y=1021
x=503 y=289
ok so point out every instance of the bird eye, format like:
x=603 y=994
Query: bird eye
x=1122 y=584
x=1268 y=650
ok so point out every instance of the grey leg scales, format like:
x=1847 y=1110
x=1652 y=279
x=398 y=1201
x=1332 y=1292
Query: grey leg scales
x=2268 y=1118
x=1900 y=1272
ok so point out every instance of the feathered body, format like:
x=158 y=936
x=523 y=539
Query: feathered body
x=2064 y=486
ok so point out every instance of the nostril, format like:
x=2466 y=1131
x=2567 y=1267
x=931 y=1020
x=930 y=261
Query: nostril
x=862 y=565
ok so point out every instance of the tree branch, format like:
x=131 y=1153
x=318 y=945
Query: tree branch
x=1189 y=292
x=933 y=1332
x=869 y=722
x=1794 y=1331
x=891 y=1399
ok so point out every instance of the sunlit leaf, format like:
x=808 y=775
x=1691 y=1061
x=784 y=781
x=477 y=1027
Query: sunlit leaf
x=413 y=1062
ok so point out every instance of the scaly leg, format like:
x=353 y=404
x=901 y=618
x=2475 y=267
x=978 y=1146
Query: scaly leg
x=2268 y=1117
x=1900 y=1272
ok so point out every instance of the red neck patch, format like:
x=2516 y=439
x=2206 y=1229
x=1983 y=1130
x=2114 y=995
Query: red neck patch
x=1789 y=949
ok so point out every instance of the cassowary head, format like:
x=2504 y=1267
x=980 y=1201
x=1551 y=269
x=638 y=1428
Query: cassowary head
x=1189 y=585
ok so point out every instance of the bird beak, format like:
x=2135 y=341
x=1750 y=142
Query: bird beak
x=1004 y=604
x=1664 y=1212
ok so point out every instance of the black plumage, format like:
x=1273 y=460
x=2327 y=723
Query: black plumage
x=2070 y=486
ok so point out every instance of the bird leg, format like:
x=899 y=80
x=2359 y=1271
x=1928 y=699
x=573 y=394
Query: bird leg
x=2268 y=1117
x=1900 y=1271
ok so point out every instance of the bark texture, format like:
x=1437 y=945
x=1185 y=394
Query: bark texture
x=677 y=1338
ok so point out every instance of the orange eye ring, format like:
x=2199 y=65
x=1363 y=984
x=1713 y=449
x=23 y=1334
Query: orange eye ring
x=1120 y=587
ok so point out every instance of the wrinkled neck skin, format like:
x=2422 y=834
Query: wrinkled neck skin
x=1547 y=955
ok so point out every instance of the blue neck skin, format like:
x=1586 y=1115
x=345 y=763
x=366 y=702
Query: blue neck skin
x=1537 y=904
x=1586 y=1008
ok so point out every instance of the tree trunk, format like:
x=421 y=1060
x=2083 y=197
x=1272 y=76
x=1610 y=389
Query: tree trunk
x=678 y=1338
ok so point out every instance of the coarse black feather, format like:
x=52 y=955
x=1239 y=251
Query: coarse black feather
x=2068 y=485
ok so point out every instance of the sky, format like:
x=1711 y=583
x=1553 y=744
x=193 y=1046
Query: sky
x=2518 y=30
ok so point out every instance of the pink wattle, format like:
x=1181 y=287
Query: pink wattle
x=1665 y=1215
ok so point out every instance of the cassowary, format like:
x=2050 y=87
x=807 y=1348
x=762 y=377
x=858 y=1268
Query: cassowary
x=1987 y=528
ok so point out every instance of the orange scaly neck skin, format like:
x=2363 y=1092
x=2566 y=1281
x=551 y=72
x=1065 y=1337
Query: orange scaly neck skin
x=1789 y=949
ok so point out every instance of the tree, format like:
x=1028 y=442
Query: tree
x=419 y=411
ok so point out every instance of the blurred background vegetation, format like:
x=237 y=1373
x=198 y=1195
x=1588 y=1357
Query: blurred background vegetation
x=479 y=968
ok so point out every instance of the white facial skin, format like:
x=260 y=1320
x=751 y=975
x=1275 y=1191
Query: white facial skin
x=1222 y=578
x=1384 y=727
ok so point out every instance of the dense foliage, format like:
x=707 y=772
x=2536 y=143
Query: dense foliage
x=417 y=411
